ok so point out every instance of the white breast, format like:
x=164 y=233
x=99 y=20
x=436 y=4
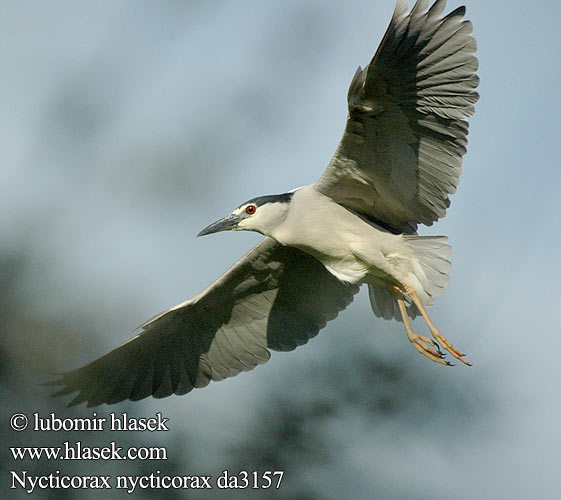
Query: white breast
x=349 y=247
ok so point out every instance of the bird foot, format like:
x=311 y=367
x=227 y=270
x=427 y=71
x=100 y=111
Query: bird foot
x=448 y=346
x=423 y=345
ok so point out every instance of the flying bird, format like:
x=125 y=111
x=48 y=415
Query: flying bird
x=397 y=163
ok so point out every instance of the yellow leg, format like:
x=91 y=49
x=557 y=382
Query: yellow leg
x=419 y=342
x=434 y=331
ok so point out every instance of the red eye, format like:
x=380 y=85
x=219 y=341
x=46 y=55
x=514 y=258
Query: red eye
x=250 y=209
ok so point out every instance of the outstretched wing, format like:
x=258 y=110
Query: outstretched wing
x=275 y=297
x=401 y=152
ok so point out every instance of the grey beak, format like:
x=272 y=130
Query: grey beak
x=227 y=223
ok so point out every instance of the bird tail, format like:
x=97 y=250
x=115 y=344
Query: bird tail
x=384 y=304
x=429 y=276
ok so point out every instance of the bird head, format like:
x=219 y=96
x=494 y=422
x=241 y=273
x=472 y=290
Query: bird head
x=262 y=214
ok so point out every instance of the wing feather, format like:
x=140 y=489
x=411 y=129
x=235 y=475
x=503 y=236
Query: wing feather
x=275 y=297
x=401 y=153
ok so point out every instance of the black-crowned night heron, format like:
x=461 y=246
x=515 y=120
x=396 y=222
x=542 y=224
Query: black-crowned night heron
x=399 y=159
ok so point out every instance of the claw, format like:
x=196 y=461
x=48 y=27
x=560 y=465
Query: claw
x=404 y=288
x=420 y=343
x=448 y=346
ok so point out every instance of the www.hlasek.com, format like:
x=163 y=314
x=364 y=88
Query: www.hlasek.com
x=77 y=451
x=21 y=479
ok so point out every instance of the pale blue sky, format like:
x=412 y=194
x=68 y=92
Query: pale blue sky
x=129 y=126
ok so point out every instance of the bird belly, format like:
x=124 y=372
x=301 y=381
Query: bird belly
x=347 y=269
x=359 y=258
x=350 y=248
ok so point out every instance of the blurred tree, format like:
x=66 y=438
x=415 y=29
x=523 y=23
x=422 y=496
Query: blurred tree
x=323 y=414
x=27 y=357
